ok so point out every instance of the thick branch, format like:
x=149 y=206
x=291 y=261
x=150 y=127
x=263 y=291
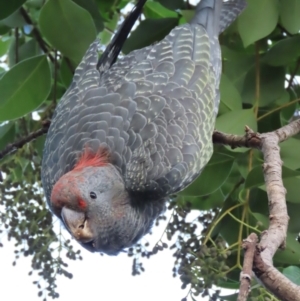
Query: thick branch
x=274 y=281
x=20 y=143
x=249 y=245
x=275 y=236
x=252 y=139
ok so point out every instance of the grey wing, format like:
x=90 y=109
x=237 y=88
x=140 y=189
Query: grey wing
x=60 y=155
x=230 y=10
x=90 y=115
x=154 y=110
x=171 y=88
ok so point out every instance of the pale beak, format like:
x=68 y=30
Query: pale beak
x=77 y=224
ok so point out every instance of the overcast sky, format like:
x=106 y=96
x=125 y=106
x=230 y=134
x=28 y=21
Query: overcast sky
x=96 y=277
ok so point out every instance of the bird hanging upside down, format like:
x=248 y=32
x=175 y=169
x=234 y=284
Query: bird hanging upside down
x=128 y=134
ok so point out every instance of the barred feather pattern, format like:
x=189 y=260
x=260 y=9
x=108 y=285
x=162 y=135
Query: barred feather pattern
x=154 y=110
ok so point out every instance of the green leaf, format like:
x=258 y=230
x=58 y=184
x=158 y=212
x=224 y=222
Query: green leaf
x=155 y=10
x=283 y=52
x=290 y=255
x=262 y=219
x=14 y=20
x=148 y=32
x=255 y=177
x=24 y=87
x=68 y=27
x=291 y=181
x=258 y=202
x=92 y=8
x=8 y=7
x=3 y=28
x=271 y=85
x=218 y=168
x=289 y=151
x=293 y=273
x=4 y=45
x=293 y=210
x=7 y=134
x=232 y=297
x=106 y=34
x=289 y=15
x=205 y=202
x=171 y=4
x=39 y=144
x=258 y=20
x=292 y=185
x=287 y=113
x=187 y=15
x=236 y=69
x=65 y=72
x=234 y=122
x=230 y=97
x=26 y=50
x=229 y=227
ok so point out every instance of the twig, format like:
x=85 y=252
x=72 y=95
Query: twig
x=249 y=140
x=252 y=139
x=249 y=245
x=20 y=143
x=37 y=34
x=17 y=45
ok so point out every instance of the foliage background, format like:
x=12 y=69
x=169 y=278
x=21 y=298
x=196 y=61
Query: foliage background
x=41 y=43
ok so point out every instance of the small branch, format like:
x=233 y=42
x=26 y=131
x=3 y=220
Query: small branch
x=252 y=139
x=69 y=64
x=19 y=144
x=249 y=245
x=37 y=34
x=17 y=45
x=249 y=140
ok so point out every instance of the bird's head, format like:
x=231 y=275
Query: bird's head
x=96 y=208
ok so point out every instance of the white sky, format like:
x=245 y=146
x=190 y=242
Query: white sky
x=96 y=277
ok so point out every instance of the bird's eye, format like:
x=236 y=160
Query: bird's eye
x=93 y=195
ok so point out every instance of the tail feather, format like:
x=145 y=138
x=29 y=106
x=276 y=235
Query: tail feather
x=112 y=51
x=230 y=11
x=208 y=14
x=215 y=15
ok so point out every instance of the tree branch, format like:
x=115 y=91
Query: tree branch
x=273 y=238
x=254 y=140
x=249 y=140
x=249 y=245
x=37 y=34
x=20 y=143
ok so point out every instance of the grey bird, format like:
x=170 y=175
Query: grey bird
x=129 y=133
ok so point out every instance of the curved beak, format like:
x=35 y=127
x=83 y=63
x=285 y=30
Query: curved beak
x=77 y=224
